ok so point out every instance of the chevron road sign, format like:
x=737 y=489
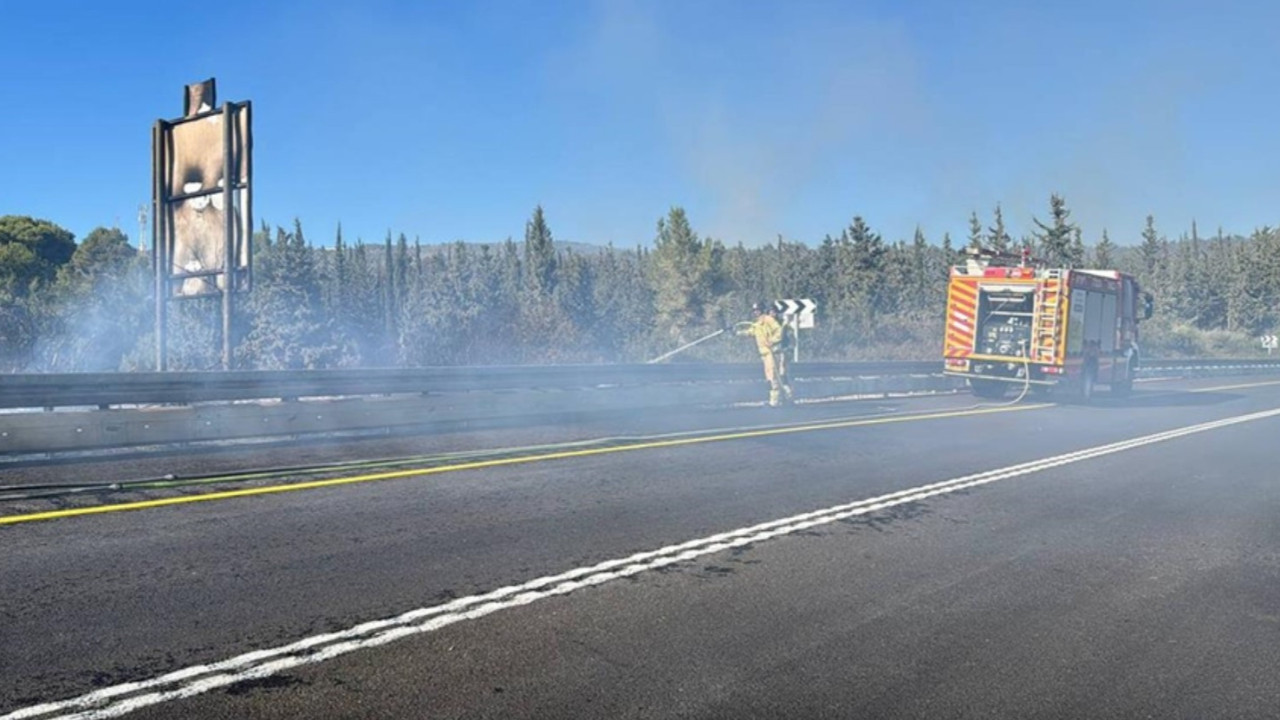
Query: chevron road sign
x=800 y=310
x=1269 y=343
x=799 y=315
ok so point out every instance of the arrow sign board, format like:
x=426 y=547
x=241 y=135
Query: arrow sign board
x=1269 y=342
x=801 y=310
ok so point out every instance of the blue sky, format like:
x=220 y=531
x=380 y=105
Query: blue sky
x=451 y=120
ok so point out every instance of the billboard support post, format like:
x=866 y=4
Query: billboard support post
x=230 y=176
x=159 y=231
x=246 y=224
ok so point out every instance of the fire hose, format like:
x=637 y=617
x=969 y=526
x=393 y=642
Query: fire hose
x=686 y=346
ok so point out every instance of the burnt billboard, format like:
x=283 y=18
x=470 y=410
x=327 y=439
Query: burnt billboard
x=204 y=183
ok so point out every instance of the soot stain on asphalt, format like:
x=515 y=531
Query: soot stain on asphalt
x=709 y=571
x=273 y=682
x=146 y=667
x=880 y=520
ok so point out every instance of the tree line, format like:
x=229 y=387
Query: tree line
x=89 y=306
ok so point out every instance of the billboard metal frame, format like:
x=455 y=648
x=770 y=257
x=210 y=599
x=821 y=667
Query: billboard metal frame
x=236 y=271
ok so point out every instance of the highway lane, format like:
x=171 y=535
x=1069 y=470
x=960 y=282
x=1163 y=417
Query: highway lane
x=1033 y=596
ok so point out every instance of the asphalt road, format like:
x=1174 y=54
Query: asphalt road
x=731 y=574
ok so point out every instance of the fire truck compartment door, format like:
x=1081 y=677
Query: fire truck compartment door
x=1075 y=325
x=1108 y=325
x=1092 y=317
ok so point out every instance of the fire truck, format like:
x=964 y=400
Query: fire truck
x=1013 y=323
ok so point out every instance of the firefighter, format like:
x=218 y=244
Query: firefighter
x=769 y=336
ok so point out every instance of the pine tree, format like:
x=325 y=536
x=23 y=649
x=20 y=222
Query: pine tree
x=1246 y=292
x=402 y=269
x=363 y=306
x=918 y=297
x=99 y=306
x=31 y=252
x=938 y=274
x=1217 y=274
x=544 y=327
x=853 y=275
x=299 y=265
x=287 y=326
x=975 y=231
x=338 y=291
x=1104 y=254
x=894 y=295
x=682 y=275
x=948 y=252
x=1056 y=240
x=869 y=256
x=1185 y=291
x=575 y=309
x=390 y=311
x=623 y=304
x=997 y=237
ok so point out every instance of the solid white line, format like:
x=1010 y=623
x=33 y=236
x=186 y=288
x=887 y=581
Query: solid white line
x=198 y=679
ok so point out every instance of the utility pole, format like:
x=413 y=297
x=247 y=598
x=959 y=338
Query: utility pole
x=142 y=229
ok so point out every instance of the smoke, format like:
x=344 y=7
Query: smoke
x=840 y=94
x=751 y=125
x=1122 y=118
x=1131 y=157
x=789 y=119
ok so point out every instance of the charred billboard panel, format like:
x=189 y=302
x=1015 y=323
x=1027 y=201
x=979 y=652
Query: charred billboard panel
x=197 y=153
x=202 y=198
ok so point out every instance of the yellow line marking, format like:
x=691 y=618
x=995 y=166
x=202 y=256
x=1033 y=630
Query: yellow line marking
x=1235 y=387
x=481 y=464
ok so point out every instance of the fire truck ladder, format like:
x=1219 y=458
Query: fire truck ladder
x=1048 y=311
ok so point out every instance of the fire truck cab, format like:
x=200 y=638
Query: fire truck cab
x=1014 y=323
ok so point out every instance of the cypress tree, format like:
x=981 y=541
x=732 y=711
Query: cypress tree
x=539 y=254
x=1150 y=251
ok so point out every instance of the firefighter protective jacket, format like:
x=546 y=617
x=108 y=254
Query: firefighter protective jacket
x=767 y=332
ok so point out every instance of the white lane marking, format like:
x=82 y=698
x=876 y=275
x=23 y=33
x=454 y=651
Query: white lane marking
x=110 y=702
x=1241 y=386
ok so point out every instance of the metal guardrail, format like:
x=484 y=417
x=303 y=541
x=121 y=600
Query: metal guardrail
x=108 y=389
x=1211 y=364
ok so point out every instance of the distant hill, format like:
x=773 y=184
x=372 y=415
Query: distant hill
x=581 y=248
